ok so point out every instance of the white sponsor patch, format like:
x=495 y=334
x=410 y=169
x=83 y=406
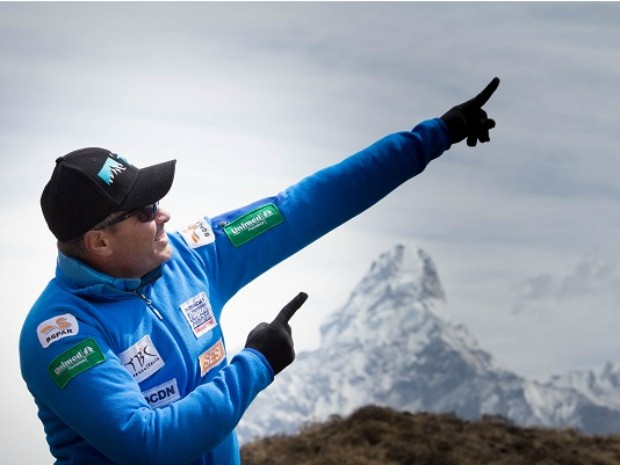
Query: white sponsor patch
x=163 y=394
x=199 y=314
x=198 y=234
x=56 y=328
x=142 y=359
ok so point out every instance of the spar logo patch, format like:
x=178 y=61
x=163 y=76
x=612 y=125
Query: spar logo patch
x=56 y=328
x=142 y=359
x=74 y=361
x=199 y=314
x=198 y=234
x=253 y=224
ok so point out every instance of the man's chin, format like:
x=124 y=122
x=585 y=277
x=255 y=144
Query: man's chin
x=166 y=254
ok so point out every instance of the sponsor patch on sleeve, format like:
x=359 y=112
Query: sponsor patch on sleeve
x=56 y=328
x=74 y=361
x=142 y=359
x=199 y=314
x=211 y=357
x=253 y=224
x=163 y=394
x=198 y=234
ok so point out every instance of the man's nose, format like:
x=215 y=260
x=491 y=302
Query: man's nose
x=163 y=216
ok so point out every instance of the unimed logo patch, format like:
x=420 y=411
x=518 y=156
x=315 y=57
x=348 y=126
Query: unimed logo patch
x=74 y=361
x=253 y=224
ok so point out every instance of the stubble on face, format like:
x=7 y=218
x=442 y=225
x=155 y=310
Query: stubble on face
x=141 y=247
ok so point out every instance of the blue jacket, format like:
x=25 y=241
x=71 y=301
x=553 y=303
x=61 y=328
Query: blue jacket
x=135 y=371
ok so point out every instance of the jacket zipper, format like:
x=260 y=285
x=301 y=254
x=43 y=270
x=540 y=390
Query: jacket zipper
x=149 y=304
x=172 y=328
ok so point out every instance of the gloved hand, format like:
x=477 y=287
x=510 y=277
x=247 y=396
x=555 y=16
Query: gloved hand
x=274 y=340
x=469 y=120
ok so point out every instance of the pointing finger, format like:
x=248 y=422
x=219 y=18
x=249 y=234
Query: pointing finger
x=289 y=309
x=484 y=96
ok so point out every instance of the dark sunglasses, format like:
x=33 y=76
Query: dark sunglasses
x=142 y=214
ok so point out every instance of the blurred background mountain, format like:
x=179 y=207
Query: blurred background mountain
x=393 y=344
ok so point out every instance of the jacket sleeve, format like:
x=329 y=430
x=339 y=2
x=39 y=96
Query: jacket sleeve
x=121 y=424
x=316 y=205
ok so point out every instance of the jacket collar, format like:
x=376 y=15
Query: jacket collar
x=84 y=280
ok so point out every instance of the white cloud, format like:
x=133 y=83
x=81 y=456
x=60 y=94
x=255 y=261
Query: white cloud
x=592 y=277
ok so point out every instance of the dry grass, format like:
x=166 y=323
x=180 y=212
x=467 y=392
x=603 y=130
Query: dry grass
x=375 y=435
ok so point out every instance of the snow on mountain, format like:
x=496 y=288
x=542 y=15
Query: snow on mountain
x=601 y=387
x=393 y=344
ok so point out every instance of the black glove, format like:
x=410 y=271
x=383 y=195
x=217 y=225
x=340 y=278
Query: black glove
x=469 y=120
x=274 y=340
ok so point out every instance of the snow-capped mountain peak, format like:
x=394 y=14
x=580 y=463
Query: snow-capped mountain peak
x=404 y=276
x=392 y=344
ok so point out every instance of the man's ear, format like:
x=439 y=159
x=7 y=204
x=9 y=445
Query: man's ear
x=98 y=243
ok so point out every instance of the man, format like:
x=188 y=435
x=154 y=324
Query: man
x=123 y=351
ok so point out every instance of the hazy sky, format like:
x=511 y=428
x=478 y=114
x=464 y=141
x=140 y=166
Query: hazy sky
x=251 y=97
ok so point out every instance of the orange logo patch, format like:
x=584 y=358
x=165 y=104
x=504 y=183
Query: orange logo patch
x=211 y=357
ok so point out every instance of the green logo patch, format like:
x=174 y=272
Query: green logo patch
x=74 y=361
x=250 y=225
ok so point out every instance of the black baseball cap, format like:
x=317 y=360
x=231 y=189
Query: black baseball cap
x=89 y=184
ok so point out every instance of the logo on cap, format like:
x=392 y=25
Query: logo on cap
x=111 y=168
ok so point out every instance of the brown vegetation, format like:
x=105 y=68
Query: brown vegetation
x=382 y=436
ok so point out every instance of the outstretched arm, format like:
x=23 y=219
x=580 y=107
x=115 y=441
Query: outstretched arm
x=254 y=238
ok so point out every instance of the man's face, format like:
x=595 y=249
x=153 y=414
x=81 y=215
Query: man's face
x=138 y=247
